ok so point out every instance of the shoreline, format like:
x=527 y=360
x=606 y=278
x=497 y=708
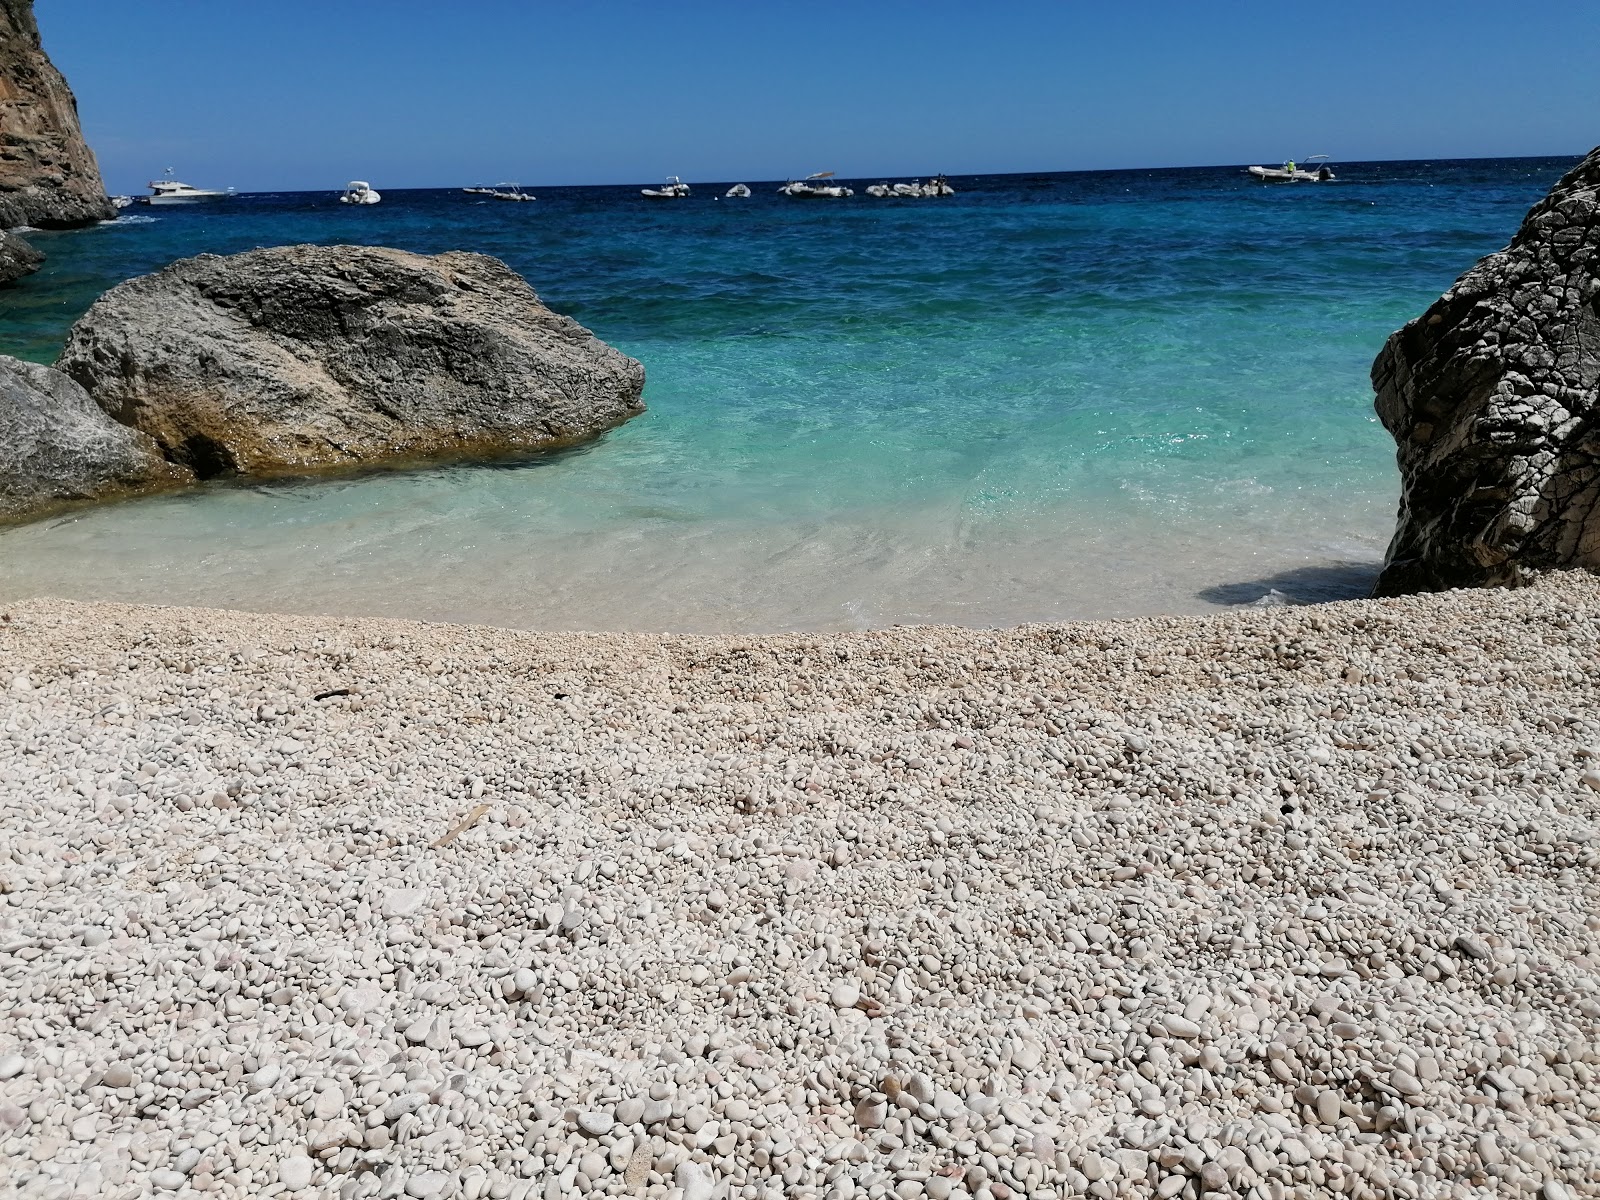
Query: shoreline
x=1275 y=901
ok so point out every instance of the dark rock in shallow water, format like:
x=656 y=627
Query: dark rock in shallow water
x=48 y=176
x=57 y=446
x=1491 y=398
x=306 y=357
x=17 y=258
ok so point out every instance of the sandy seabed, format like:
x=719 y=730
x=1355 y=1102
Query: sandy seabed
x=1281 y=902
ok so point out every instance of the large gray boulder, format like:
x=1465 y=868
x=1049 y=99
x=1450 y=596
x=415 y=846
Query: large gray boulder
x=307 y=357
x=1491 y=396
x=17 y=258
x=58 y=446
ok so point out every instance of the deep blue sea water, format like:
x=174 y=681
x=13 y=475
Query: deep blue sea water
x=1047 y=397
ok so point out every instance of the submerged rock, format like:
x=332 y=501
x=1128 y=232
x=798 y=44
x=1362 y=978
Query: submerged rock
x=1491 y=398
x=48 y=175
x=57 y=446
x=17 y=258
x=305 y=357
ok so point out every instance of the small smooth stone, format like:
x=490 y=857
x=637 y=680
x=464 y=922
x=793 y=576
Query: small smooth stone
x=295 y=1172
x=871 y=1111
x=168 y=1180
x=693 y=1181
x=328 y=1104
x=1328 y=1107
x=1095 y=1168
x=117 y=1075
x=11 y=1066
x=596 y=1123
x=1405 y=1083
x=403 y=902
x=845 y=994
x=1472 y=947
x=427 y=1184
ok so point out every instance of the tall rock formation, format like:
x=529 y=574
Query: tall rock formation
x=48 y=176
x=1491 y=396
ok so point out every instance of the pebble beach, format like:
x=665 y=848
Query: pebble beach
x=1284 y=902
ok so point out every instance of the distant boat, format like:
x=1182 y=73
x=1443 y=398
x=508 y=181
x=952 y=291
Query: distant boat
x=516 y=193
x=168 y=190
x=479 y=191
x=809 y=189
x=737 y=192
x=358 y=191
x=120 y=202
x=673 y=189
x=937 y=186
x=1290 y=173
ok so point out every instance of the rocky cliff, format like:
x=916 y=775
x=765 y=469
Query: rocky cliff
x=304 y=357
x=1491 y=396
x=48 y=176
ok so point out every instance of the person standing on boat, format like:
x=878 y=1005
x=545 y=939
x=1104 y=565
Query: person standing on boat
x=1289 y=166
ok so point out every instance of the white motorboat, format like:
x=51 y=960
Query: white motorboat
x=168 y=190
x=810 y=189
x=359 y=191
x=1291 y=173
x=479 y=191
x=737 y=192
x=673 y=189
x=121 y=202
x=937 y=186
x=516 y=193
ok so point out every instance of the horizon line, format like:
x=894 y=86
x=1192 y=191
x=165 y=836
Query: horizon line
x=950 y=174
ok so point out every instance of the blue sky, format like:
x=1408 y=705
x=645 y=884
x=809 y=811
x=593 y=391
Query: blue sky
x=300 y=94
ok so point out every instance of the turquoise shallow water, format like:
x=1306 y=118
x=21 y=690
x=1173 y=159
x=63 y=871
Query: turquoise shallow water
x=1047 y=397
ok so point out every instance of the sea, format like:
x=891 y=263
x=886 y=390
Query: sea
x=1048 y=397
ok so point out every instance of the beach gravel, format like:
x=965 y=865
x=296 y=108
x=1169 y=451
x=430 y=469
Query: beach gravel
x=1287 y=902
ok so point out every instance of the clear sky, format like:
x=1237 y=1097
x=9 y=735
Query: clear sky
x=289 y=94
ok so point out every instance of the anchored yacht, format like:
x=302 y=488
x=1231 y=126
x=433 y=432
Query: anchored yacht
x=168 y=190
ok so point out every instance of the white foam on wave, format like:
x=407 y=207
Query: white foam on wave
x=135 y=219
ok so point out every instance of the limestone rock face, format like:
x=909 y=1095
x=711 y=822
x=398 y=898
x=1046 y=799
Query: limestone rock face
x=1491 y=396
x=57 y=446
x=17 y=258
x=48 y=176
x=306 y=357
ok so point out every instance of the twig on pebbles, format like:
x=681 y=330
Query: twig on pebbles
x=466 y=823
